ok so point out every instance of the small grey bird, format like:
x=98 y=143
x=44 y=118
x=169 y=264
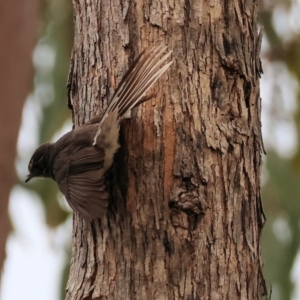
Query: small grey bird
x=80 y=158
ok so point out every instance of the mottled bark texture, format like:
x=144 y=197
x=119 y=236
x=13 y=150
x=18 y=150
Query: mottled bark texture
x=186 y=217
x=18 y=33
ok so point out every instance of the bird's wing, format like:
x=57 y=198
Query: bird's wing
x=84 y=186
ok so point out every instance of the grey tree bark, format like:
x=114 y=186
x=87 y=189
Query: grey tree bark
x=185 y=217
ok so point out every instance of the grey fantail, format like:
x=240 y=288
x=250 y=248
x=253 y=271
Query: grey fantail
x=80 y=158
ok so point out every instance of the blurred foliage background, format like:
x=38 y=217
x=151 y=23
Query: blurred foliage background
x=281 y=122
x=51 y=60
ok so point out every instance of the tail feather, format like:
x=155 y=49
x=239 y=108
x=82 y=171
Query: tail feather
x=142 y=84
x=142 y=74
x=142 y=79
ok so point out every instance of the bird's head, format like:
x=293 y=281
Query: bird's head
x=39 y=162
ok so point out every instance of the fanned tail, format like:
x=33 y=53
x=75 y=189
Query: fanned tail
x=142 y=74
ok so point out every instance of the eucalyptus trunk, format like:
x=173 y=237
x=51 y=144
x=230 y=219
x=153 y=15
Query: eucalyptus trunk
x=185 y=217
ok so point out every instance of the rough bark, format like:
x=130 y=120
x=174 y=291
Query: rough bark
x=18 y=20
x=185 y=218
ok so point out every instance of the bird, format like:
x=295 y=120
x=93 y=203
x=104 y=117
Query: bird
x=79 y=160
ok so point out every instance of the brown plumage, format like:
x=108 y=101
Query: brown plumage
x=79 y=159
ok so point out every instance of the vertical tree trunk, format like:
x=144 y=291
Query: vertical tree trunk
x=18 y=33
x=186 y=215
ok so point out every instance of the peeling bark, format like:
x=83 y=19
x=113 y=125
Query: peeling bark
x=186 y=216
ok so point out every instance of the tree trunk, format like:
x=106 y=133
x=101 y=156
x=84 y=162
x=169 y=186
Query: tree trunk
x=185 y=216
x=18 y=33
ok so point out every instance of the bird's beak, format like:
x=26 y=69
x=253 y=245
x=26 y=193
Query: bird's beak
x=28 y=178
